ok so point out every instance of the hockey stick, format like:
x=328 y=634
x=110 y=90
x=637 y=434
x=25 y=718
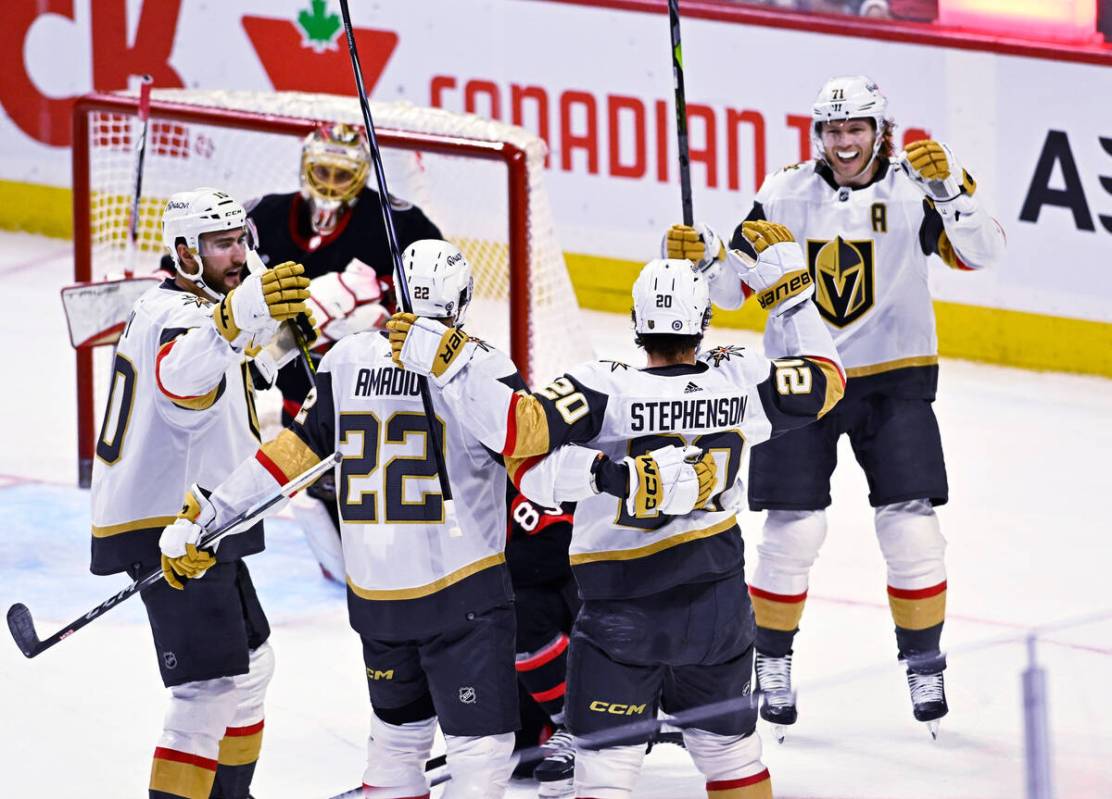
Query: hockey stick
x=395 y=250
x=22 y=626
x=681 y=113
x=623 y=735
x=140 y=157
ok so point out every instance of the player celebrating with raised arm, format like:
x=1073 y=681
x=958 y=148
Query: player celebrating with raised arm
x=333 y=227
x=648 y=578
x=180 y=409
x=871 y=223
x=428 y=590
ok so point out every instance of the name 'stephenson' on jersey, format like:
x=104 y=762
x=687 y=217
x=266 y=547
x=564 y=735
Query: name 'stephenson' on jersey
x=387 y=489
x=170 y=364
x=729 y=398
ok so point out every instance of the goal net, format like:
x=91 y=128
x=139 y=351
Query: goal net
x=481 y=182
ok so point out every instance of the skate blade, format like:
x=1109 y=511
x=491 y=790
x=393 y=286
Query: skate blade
x=778 y=732
x=556 y=789
x=933 y=728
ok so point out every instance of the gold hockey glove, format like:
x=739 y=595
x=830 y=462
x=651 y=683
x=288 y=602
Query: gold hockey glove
x=426 y=347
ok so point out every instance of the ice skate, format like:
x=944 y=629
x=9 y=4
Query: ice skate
x=928 y=699
x=774 y=682
x=555 y=771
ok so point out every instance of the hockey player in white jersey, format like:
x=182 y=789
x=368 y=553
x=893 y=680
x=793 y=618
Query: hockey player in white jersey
x=428 y=588
x=665 y=618
x=180 y=410
x=871 y=222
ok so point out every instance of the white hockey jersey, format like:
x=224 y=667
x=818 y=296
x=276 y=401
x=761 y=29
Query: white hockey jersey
x=413 y=563
x=868 y=250
x=180 y=410
x=730 y=398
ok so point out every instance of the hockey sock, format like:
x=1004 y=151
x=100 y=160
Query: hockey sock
x=239 y=752
x=543 y=674
x=180 y=775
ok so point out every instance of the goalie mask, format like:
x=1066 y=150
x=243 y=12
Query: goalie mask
x=850 y=97
x=670 y=297
x=189 y=214
x=439 y=279
x=335 y=160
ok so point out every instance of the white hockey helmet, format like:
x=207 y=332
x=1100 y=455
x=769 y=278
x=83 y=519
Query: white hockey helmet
x=439 y=278
x=848 y=97
x=188 y=214
x=669 y=296
x=335 y=161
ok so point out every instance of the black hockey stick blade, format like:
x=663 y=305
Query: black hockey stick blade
x=22 y=627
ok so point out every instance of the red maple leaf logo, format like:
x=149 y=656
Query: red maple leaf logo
x=295 y=64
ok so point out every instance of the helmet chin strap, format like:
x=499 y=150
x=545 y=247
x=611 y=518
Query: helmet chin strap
x=198 y=279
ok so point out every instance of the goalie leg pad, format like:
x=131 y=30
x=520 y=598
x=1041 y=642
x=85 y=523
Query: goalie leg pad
x=731 y=763
x=607 y=773
x=321 y=535
x=396 y=755
x=480 y=765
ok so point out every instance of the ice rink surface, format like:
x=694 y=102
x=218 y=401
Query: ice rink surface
x=1029 y=545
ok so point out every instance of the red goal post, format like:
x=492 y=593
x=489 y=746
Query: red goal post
x=481 y=182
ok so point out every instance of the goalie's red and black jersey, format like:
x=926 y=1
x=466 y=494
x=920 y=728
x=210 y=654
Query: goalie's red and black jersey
x=537 y=541
x=285 y=234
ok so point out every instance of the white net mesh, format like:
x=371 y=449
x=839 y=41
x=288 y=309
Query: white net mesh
x=466 y=196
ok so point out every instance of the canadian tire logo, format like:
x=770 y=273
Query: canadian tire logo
x=309 y=54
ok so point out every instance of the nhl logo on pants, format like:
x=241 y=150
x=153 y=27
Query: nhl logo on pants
x=467 y=695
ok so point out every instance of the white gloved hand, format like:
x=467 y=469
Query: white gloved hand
x=178 y=542
x=698 y=244
x=426 y=347
x=772 y=265
x=932 y=167
x=670 y=480
x=250 y=311
x=347 y=302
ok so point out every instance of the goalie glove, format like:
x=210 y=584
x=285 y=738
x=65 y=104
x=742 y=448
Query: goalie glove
x=178 y=542
x=698 y=244
x=770 y=262
x=931 y=166
x=669 y=480
x=347 y=302
x=426 y=347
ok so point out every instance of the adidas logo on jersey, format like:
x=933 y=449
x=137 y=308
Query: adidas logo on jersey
x=692 y=388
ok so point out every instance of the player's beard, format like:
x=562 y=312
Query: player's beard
x=232 y=277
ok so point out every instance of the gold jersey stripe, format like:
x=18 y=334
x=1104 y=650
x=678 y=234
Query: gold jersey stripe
x=181 y=779
x=835 y=387
x=430 y=588
x=918 y=614
x=290 y=454
x=155 y=522
x=240 y=750
x=888 y=366
x=773 y=615
x=655 y=547
x=529 y=434
x=200 y=403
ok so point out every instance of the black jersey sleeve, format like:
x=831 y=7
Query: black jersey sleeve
x=756 y=214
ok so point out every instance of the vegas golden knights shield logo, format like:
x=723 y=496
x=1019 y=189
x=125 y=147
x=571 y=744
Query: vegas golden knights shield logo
x=843 y=272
